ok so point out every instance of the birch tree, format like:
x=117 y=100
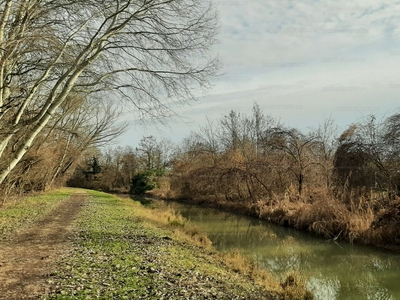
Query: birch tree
x=150 y=53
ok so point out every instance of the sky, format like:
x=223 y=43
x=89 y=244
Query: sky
x=301 y=61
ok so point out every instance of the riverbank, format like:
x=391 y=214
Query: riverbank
x=318 y=213
x=332 y=269
x=119 y=249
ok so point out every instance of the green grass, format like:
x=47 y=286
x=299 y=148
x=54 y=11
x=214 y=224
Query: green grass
x=126 y=251
x=23 y=211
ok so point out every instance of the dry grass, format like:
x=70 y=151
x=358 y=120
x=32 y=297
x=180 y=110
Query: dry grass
x=340 y=214
x=344 y=215
x=324 y=216
x=167 y=218
x=293 y=286
x=330 y=217
x=163 y=193
x=385 y=229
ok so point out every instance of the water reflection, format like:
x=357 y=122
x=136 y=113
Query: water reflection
x=333 y=271
x=324 y=288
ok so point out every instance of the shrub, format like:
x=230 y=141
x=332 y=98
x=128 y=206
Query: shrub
x=145 y=181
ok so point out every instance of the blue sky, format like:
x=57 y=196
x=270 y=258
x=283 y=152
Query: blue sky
x=301 y=61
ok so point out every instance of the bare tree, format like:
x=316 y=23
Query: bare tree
x=297 y=148
x=391 y=138
x=88 y=125
x=368 y=155
x=151 y=53
x=154 y=155
x=324 y=149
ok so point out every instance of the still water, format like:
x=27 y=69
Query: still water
x=333 y=270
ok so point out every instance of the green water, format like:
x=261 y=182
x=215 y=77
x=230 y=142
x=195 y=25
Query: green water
x=333 y=270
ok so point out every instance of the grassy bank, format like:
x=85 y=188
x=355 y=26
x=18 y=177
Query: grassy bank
x=25 y=210
x=123 y=250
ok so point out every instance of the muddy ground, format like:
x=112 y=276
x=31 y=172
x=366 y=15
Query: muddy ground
x=29 y=256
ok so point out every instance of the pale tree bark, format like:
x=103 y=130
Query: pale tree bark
x=142 y=51
x=3 y=21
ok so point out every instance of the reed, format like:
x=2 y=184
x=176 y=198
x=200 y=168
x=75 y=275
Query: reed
x=339 y=213
x=293 y=286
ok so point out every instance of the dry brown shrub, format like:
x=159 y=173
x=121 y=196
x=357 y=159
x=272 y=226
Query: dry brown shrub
x=385 y=228
x=160 y=193
x=238 y=262
x=294 y=287
x=325 y=217
x=319 y=213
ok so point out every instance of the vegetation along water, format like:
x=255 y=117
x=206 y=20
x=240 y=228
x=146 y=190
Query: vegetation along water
x=333 y=270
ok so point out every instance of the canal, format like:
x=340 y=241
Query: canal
x=333 y=270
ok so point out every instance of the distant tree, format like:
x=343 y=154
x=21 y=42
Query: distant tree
x=206 y=140
x=154 y=155
x=391 y=138
x=231 y=133
x=323 y=150
x=351 y=163
x=143 y=181
x=94 y=168
x=296 y=146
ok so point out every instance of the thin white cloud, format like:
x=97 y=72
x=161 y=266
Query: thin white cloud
x=302 y=61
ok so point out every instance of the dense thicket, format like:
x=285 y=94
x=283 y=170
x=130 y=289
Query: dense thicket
x=337 y=185
x=248 y=158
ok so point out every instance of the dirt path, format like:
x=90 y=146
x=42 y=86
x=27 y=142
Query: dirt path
x=29 y=257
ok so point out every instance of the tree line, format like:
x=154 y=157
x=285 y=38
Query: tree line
x=334 y=183
x=123 y=169
x=254 y=157
x=251 y=157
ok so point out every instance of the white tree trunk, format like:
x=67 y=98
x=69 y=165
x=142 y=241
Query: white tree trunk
x=145 y=58
x=27 y=143
x=4 y=143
